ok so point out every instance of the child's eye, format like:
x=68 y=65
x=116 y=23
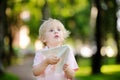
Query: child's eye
x=51 y=30
x=59 y=29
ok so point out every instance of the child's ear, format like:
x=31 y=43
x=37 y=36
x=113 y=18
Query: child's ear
x=44 y=40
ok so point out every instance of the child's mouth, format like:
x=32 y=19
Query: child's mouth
x=56 y=36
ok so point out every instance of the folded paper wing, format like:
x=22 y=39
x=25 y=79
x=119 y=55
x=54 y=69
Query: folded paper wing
x=61 y=52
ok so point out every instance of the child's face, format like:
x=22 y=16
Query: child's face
x=53 y=35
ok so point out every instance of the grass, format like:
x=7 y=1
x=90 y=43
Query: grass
x=8 y=76
x=112 y=76
x=84 y=73
x=108 y=73
x=109 y=70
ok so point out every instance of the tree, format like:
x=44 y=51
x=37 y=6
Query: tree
x=45 y=11
x=2 y=31
x=105 y=25
x=116 y=33
x=96 y=58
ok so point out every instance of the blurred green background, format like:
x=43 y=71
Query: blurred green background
x=94 y=27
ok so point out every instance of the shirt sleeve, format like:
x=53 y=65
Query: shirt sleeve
x=71 y=60
x=38 y=58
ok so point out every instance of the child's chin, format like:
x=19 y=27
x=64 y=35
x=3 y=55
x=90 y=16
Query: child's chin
x=57 y=40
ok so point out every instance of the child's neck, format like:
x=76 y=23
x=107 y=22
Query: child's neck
x=55 y=45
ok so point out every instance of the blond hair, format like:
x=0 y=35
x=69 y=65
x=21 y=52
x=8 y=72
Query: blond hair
x=51 y=22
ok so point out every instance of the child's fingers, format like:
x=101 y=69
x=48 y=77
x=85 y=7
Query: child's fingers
x=65 y=67
x=56 y=58
x=53 y=59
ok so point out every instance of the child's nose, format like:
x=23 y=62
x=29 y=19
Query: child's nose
x=56 y=31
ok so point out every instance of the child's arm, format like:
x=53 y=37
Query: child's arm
x=40 y=68
x=69 y=73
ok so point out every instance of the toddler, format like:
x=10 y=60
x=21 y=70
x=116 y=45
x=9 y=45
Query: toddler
x=53 y=33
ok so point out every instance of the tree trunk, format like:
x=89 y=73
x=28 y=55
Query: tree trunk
x=96 y=58
x=116 y=33
x=2 y=32
x=45 y=11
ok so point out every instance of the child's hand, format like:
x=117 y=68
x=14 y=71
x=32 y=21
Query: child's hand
x=68 y=71
x=65 y=67
x=52 y=59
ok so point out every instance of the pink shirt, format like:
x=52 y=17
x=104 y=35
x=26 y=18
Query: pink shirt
x=50 y=73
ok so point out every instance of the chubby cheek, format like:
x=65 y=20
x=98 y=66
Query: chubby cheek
x=62 y=36
x=46 y=38
x=49 y=38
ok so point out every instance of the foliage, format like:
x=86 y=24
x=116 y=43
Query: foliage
x=60 y=9
x=75 y=16
x=8 y=76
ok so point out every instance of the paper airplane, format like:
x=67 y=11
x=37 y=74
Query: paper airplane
x=61 y=52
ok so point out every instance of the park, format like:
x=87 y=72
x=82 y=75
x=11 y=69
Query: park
x=94 y=27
